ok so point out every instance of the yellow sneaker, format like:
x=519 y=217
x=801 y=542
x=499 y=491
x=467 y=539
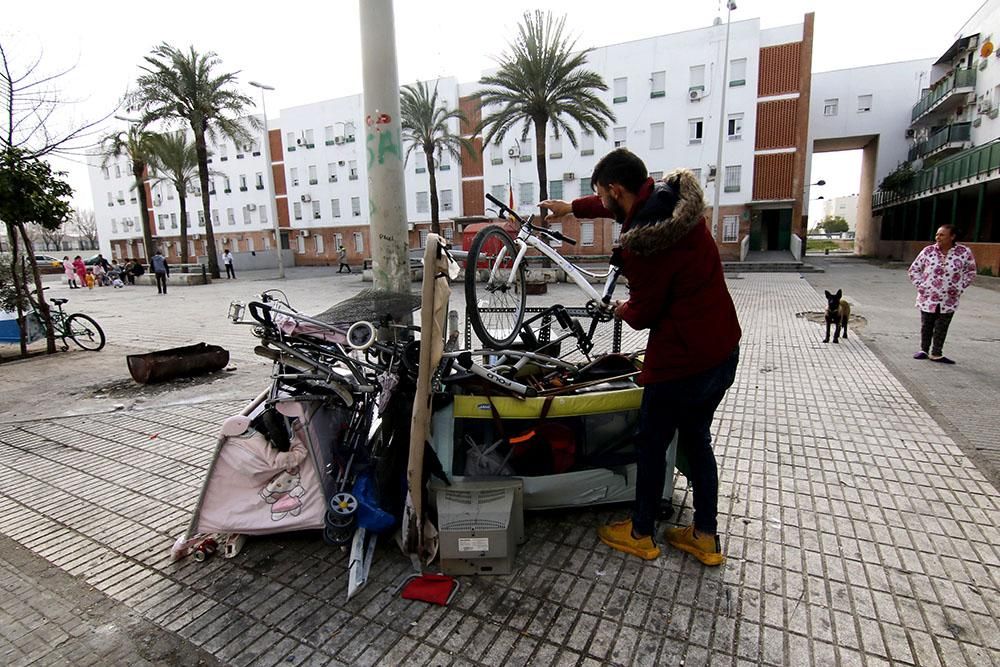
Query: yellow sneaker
x=619 y=536
x=704 y=547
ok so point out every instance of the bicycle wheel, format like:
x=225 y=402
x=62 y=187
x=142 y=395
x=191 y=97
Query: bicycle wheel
x=495 y=306
x=85 y=332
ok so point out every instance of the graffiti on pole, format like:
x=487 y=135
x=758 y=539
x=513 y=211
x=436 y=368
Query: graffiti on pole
x=380 y=139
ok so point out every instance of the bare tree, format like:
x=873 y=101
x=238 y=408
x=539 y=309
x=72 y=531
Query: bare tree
x=85 y=223
x=52 y=239
x=31 y=104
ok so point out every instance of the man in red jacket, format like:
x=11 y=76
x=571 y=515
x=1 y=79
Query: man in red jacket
x=678 y=291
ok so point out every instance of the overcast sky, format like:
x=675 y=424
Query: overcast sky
x=311 y=51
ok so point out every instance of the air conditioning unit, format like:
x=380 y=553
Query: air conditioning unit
x=251 y=207
x=513 y=151
x=341 y=163
x=300 y=142
x=338 y=140
x=696 y=94
x=306 y=198
x=910 y=133
x=985 y=106
x=569 y=176
x=196 y=237
x=305 y=233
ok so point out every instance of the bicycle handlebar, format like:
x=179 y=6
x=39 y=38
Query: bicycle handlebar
x=559 y=236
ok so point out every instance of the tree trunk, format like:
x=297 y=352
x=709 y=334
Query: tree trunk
x=139 y=171
x=182 y=194
x=18 y=278
x=435 y=221
x=202 y=150
x=43 y=305
x=543 y=172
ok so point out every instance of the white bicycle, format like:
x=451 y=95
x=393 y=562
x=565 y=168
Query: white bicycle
x=495 y=280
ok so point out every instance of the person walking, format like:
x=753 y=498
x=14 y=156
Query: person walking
x=678 y=291
x=342 y=254
x=941 y=272
x=161 y=269
x=81 y=270
x=70 y=272
x=227 y=259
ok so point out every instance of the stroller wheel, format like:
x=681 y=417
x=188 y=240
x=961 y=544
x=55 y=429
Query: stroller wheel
x=337 y=536
x=343 y=505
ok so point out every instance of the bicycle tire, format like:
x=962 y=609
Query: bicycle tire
x=85 y=332
x=494 y=329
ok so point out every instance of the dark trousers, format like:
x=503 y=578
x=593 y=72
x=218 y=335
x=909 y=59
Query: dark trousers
x=230 y=271
x=344 y=266
x=161 y=282
x=933 y=330
x=686 y=406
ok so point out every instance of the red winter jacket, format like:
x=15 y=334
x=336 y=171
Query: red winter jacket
x=677 y=289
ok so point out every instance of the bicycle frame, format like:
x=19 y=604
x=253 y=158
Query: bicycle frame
x=525 y=238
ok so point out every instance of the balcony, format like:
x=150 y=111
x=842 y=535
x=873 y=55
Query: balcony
x=946 y=141
x=964 y=168
x=945 y=95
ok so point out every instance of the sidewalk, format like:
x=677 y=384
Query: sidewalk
x=857 y=533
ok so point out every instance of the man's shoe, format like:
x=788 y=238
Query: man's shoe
x=702 y=546
x=942 y=360
x=619 y=536
x=920 y=355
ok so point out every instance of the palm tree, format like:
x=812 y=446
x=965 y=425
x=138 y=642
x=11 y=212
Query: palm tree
x=542 y=81
x=135 y=144
x=181 y=86
x=426 y=125
x=174 y=161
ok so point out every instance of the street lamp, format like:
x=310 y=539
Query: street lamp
x=719 y=169
x=271 y=205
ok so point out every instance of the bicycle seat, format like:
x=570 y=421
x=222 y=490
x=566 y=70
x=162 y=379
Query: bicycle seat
x=58 y=302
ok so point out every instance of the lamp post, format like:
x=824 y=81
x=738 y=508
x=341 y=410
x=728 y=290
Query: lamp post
x=269 y=173
x=720 y=172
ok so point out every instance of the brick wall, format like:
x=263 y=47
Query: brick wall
x=776 y=124
x=779 y=69
x=772 y=176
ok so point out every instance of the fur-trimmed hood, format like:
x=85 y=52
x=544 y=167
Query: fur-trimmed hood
x=674 y=208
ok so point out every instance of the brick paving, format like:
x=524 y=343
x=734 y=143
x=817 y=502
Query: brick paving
x=857 y=532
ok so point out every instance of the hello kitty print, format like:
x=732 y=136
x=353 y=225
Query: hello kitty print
x=941 y=278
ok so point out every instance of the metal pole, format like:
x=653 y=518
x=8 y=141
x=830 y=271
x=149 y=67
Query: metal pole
x=719 y=169
x=383 y=141
x=271 y=203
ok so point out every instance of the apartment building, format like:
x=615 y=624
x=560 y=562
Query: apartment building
x=665 y=92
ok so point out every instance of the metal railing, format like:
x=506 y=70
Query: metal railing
x=946 y=135
x=961 y=78
x=962 y=167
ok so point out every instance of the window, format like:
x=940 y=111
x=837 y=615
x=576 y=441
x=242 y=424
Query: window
x=421 y=162
x=356 y=206
x=695 y=127
x=423 y=202
x=526 y=194
x=290 y=140
x=864 y=103
x=730 y=228
x=250 y=245
x=335 y=207
x=526 y=151
x=114 y=226
x=449 y=234
x=737 y=72
x=446 y=200
x=121 y=196
x=319 y=244
x=830 y=107
x=297 y=210
x=111 y=199
x=211 y=186
x=316 y=213
x=620 y=137
x=423 y=238
x=359 y=242
x=267 y=242
x=585 y=188
x=106 y=172
x=243 y=182
x=309 y=139
x=659 y=84
x=352 y=167
x=620 y=90
x=555 y=227
x=616 y=231
x=300 y=244
x=656 y=175
x=586 y=233
x=696 y=78
x=246 y=215
x=496 y=154
x=697 y=173
x=313 y=179
x=328 y=135
x=173 y=221
x=230 y=216
x=556 y=189
x=444 y=161
x=338 y=240
x=201 y=218
x=331 y=172
x=586 y=143
x=734 y=127
x=732 y=183
x=349 y=131
x=223 y=152
x=294 y=173
x=259 y=180
x=170 y=193
x=215 y=217
x=555 y=146
x=656 y=136
x=500 y=192
x=263 y=214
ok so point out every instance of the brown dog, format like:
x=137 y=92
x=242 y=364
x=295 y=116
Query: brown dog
x=838 y=312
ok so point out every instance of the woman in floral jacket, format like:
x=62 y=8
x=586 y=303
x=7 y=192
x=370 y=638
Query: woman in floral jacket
x=941 y=272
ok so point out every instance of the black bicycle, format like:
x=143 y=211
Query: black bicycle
x=77 y=327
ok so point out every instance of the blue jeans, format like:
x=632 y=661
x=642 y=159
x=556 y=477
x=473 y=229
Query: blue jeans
x=687 y=406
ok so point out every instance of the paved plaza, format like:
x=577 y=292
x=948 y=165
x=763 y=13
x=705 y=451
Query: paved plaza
x=858 y=531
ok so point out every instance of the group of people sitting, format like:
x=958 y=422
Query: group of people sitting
x=102 y=273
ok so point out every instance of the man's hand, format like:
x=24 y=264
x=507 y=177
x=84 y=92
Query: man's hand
x=557 y=208
x=619 y=307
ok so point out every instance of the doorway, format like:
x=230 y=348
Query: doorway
x=775 y=230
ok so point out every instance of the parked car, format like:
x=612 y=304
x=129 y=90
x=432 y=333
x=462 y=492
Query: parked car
x=90 y=261
x=48 y=260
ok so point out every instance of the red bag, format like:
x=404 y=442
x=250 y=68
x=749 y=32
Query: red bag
x=433 y=588
x=547 y=448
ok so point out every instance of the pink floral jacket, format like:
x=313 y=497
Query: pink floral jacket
x=941 y=278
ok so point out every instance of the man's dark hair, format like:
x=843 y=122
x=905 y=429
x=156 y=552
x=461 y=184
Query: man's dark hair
x=620 y=166
x=951 y=228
